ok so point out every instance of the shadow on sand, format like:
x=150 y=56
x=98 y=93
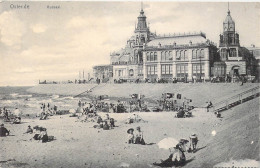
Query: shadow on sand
x=169 y=163
x=199 y=149
x=150 y=143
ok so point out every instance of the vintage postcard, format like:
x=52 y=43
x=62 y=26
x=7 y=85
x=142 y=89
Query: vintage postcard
x=107 y=84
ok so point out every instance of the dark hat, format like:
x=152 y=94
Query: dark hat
x=2 y=125
x=131 y=129
x=29 y=126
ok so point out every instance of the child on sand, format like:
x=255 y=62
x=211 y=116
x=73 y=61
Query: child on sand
x=194 y=140
x=139 y=137
x=29 y=130
x=130 y=136
x=3 y=131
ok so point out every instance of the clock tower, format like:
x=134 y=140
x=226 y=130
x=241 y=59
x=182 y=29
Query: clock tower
x=229 y=39
x=229 y=48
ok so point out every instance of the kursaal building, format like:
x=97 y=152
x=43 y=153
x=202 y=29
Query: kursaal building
x=182 y=56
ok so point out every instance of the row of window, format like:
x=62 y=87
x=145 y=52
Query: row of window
x=224 y=53
x=198 y=54
x=197 y=69
x=219 y=71
x=151 y=56
x=152 y=70
x=166 y=69
x=166 y=55
x=180 y=55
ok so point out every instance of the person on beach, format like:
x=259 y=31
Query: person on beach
x=3 y=131
x=105 y=126
x=107 y=116
x=17 y=120
x=209 y=105
x=43 y=135
x=99 y=120
x=176 y=158
x=6 y=116
x=180 y=113
x=43 y=116
x=55 y=108
x=193 y=142
x=139 y=136
x=112 y=122
x=29 y=130
x=130 y=136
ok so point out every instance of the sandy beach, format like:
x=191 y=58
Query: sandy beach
x=78 y=144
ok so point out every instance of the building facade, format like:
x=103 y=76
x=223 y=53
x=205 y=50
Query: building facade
x=184 y=57
x=103 y=72
x=234 y=59
x=148 y=56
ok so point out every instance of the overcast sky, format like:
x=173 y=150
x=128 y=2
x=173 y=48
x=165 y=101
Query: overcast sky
x=55 y=44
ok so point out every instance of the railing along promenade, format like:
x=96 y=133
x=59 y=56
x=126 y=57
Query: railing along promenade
x=236 y=99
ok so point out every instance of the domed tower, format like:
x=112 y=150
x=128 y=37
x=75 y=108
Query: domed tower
x=230 y=50
x=229 y=40
x=141 y=30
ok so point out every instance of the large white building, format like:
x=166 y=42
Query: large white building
x=146 y=55
x=184 y=57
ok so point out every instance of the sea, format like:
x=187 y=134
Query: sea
x=30 y=103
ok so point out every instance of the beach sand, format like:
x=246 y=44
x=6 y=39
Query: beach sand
x=78 y=144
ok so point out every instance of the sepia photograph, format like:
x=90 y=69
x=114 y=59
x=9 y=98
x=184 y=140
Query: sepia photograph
x=129 y=84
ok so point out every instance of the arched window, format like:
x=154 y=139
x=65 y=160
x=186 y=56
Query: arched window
x=202 y=53
x=185 y=55
x=170 y=55
x=178 y=55
x=166 y=55
x=197 y=54
x=155 y=56
x=151 y=55
x=162 y=56
x=223 y=53
x=233 y=52
x=193 y=54
x=131 y=72
x=148 y=56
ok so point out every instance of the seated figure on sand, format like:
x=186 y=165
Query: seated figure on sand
x=29 y=130
x=17 y=120
x=3 y=131
x=99 y=120
x=130 y=136
x=43 y=116
x=105 y=126
x=180 y=113
x=176 y=158
x=139 y=136
x=134 y=119
x=112 y=122
x=42 y=135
